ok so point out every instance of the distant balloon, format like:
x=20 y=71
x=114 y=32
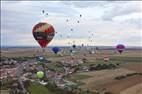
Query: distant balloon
x=71 y=29
x=67 y=20
x=40 y=74
x=82 y=45
x=71 y=50
x=80 y=15
x=55 y=49
x=74 y=46
x=77 y=21
x=120 y=48
x=46 y=13
x=97 y=48
x=61 y=36
x=43 y=11
x=43 y=33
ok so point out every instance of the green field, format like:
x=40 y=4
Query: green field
x=78 y=77
x=35 y=88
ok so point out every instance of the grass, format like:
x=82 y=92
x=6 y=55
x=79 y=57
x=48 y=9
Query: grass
x=53 y=66
x=4 y=91
x=35 y=88
x=79 y=77
x=126 y=59
x=116 y=60
x=101 y=62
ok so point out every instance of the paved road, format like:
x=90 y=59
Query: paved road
x=20 y=69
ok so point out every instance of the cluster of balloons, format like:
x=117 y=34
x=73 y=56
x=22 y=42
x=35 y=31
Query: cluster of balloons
x=43 y=11
x=72 y=30
x=44 y=33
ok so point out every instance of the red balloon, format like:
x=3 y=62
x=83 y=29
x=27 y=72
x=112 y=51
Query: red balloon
x=43 y=33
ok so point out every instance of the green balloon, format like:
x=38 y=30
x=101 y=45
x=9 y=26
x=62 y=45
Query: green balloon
x=40 y=74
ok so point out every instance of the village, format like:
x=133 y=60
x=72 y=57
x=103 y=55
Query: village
x=18 y=72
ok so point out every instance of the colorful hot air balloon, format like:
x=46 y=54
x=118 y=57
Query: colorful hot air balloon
x=55 y=49
x=120 y=48
x=40 y=74
x=43 y=33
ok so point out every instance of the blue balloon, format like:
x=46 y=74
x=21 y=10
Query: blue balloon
x=74 y=46
x=55 y=49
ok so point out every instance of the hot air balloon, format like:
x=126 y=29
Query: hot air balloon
x=74 y=46
x=43 y=33
x=40 y=74
x=71 y=29
x=82 y=45
x=55 y=49
x=43 y=11
x=120 y=48
x=67 y=20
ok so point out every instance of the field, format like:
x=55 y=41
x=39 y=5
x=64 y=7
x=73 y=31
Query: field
x=104 y=80
x=34 y=89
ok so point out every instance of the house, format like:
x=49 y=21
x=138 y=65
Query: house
x=4 y=73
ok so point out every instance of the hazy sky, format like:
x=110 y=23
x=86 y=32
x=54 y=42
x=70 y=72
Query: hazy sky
x=105 y=22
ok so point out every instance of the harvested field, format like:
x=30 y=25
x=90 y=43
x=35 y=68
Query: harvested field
x=133 y=66
x=102 y=77
x=137 y=89
x=104 y=80
x=117 y=86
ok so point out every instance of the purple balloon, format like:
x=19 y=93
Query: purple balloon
x=120 y=48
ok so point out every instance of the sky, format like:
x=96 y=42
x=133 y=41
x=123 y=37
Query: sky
x=103 y=23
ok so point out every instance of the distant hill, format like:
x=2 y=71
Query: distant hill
x=99 y=47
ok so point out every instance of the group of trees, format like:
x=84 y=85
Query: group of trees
x=102 y=66
x=75 y=90
x=127 y=75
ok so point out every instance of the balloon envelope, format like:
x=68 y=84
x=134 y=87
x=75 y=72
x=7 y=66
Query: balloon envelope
x=74 y=46
x=40 y=74
x=43 y=33
x=55 y=49
x=120 y=48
